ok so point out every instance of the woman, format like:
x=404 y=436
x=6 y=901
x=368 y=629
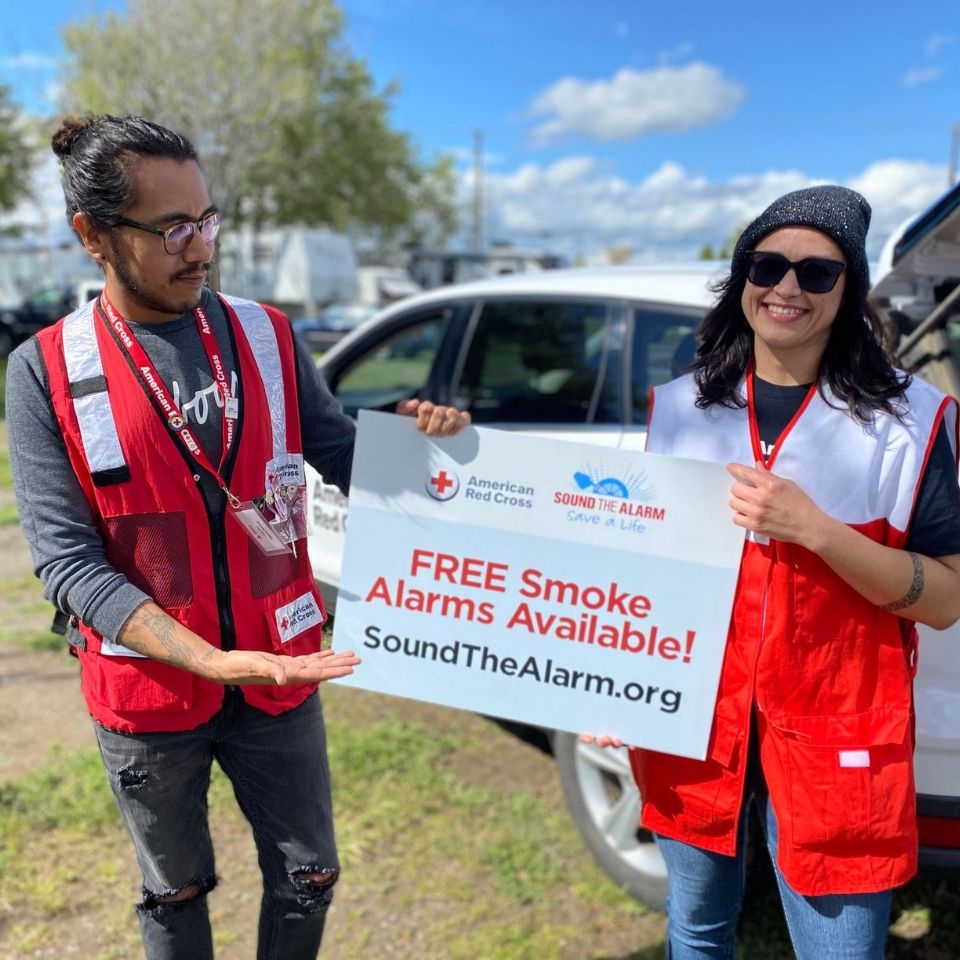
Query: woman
x=845 y=479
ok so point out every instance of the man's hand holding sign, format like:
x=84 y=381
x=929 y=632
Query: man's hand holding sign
x=480 y=572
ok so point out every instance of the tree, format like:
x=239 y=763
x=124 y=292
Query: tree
x=730 y=244
x=620 y=253
x=287 y=122
x=17 y=155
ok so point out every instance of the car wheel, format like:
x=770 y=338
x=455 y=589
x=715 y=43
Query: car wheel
x=605 y=805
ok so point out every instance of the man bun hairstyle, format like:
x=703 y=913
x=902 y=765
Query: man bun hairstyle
x=842 y=214
x=97 y=156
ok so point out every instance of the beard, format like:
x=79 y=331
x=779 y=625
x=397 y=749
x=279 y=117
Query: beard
x=134 y=289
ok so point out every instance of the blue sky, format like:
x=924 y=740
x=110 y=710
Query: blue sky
x=656 y=125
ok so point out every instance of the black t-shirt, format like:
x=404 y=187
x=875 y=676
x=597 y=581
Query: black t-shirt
x=935 y=525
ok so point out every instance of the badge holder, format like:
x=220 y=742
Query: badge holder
x=259 y=530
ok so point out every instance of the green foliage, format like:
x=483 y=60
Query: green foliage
x=16 y=154
x=70 y=793
x=287 y=122
x=726 y=251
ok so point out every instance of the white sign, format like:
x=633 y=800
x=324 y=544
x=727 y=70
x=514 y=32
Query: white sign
x=558 y=584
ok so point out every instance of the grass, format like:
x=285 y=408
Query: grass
x=469 y=871
x=456 y=869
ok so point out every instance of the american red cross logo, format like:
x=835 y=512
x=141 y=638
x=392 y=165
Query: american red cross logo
x=284 y=623
x=441 y=481
x=443 y=485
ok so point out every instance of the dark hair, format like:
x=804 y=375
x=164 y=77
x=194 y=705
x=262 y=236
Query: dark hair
x=855 y=364
x=97 y=156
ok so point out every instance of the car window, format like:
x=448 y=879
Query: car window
x=539 y=362
x=953 y=337
x=396 y=368
x=50 y=297
x=664 y=344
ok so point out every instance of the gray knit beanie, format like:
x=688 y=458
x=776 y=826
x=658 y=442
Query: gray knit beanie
x=840 y=213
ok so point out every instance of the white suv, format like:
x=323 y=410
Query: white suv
x=572 y=353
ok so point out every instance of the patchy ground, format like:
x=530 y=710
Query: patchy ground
x=42 y=716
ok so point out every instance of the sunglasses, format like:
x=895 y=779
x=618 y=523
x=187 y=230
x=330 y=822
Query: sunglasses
x=814 y=274
x=177 y=237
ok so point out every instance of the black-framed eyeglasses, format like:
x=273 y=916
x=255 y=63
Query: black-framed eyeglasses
x=177 y=237
x=814 y=274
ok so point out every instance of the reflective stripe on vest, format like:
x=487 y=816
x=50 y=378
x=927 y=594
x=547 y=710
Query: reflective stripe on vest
x=88 y=387
x=266 y=351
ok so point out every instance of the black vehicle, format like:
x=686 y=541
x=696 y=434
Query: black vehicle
x=46 y=306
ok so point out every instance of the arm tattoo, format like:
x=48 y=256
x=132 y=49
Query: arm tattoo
x=164 y=628
x=916 y=588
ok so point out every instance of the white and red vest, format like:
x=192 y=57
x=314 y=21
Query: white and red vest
x=153 y=520
x=829 y=672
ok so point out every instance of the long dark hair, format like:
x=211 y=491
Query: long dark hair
x=97 y=157
x=855 y=364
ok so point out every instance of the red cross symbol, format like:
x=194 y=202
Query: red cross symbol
x=284 y=623
x=441 y=482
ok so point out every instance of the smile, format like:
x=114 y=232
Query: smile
x=778 y=310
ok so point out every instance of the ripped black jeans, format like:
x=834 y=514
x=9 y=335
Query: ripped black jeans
x=278 y=768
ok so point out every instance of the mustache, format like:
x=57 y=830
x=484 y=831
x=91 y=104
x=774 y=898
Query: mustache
x=194 y=271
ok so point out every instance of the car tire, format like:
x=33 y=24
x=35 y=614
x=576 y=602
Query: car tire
x=604 y=802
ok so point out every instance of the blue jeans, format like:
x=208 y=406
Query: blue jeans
x=278 y=768
x=706 y=894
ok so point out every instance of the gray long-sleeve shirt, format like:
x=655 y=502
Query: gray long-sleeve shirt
x=68 y=553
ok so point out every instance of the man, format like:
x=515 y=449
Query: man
x=147 y=430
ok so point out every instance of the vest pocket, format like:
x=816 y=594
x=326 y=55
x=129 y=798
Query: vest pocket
x=841 y=786
x=153 y=551
x=704 y=790
x=294 y=619
x=138 y=685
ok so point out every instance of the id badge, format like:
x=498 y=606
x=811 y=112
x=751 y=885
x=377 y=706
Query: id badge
x=259 y=530
x=286 y=496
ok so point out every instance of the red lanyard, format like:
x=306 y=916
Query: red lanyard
x=158 y=390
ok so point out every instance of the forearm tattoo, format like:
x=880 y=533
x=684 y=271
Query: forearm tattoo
x=916 y=588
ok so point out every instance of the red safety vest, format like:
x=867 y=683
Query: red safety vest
x=828 y=672
x=151 y=515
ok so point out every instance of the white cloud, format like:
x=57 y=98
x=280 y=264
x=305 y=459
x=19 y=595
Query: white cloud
x=898 y=190
x=636 y=102
x=577 y=207
x=936 y=43
x=679 y=52
x=919 y=75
